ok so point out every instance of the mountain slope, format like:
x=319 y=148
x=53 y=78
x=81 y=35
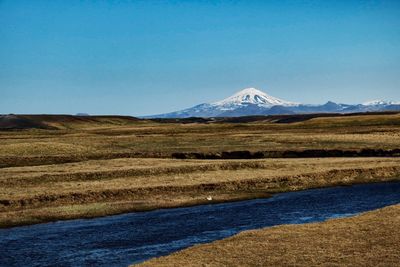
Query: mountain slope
x=251 y=96
x=251 y=101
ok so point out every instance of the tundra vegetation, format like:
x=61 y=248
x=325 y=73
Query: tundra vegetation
x=64 y=167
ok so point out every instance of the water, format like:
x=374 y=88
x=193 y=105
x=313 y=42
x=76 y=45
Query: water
x=125 y=239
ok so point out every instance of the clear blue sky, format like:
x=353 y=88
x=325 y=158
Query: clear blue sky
x=149 y=57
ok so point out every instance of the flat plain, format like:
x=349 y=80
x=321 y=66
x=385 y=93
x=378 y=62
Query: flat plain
x=65 y=167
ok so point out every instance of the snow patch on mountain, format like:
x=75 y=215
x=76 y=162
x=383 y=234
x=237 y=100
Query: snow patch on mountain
x=251 y=96
x=380 y=103
x=251 y=101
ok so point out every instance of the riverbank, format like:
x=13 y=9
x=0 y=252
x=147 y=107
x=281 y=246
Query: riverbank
x=125 y=239
x=36 y=194
x=368 y=239
x=59 y=167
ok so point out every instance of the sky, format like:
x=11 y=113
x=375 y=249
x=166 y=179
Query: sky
x=150 y=57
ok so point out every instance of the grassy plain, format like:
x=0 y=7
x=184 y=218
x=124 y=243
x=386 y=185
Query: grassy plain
x=77 y=167
x=369 y=239
x=105 y=138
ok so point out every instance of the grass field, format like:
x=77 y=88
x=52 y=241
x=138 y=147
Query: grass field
x=74 y=167
x=369 y=239
x=104 y=138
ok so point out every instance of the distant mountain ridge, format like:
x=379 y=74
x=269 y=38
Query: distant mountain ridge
x=252 y=101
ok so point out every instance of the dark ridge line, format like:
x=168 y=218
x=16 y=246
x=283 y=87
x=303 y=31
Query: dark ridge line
x=6 y=162
x=269 y=118
x=40 y=121
x=312 y=153
x=9 y=122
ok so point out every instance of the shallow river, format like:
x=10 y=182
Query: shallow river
x=124 y=239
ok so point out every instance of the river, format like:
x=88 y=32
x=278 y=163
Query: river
x=130 y=238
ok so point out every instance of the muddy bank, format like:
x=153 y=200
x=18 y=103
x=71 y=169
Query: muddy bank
x=50 y=207
x=310 y=153
x=134 y=172
x=17 y=161
x=45 y=214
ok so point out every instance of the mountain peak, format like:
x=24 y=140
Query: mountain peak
x=250 y=90
x=251 y=96
x=252 y=101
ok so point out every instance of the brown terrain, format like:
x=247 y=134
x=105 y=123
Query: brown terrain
x=369 y=239
x=62 y=167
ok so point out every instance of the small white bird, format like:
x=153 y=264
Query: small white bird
x=209 y=198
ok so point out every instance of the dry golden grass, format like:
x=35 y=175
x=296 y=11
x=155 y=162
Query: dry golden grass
x=77 y=141
x=59 y=191
x=369 y=239
x=106 y=165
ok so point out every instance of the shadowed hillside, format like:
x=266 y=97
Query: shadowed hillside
x=271 y=118
x=18 y=122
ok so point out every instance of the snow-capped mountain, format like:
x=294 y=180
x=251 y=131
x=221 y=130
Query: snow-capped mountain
x=251 y=101
x=251 y=96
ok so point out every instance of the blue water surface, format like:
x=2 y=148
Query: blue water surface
x=130 y=238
